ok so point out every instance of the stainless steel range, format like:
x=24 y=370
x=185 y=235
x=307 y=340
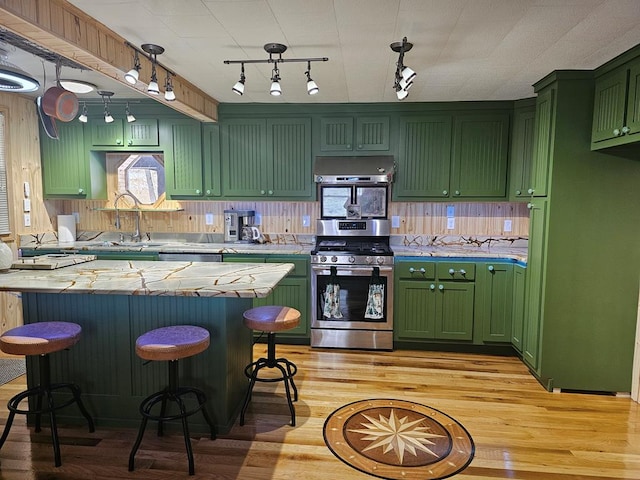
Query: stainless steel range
x=352 y=262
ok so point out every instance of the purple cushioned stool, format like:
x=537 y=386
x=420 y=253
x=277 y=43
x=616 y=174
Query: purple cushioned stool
x=170 y=344
x=41 y=339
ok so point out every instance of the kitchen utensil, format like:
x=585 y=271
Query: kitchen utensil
x=48 y=123
x=60 y=104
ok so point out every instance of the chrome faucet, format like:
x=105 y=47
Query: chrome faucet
x=135 y=236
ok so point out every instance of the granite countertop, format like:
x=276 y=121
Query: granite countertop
x=126 y=277
x=518 y=254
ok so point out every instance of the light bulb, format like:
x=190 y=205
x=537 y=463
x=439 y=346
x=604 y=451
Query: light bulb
x=153 y=88
x=312 y=88
x=276 y=90
x=108 y=118
x=83 y=118
x=238 y=87
x=169 y=95
x=132 y=76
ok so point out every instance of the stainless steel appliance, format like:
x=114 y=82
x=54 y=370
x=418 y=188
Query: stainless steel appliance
x=235 y=222
x=352 y=254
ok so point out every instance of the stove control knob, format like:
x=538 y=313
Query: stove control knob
x=368 y=260
x=334 y=259
x=379 y=260
x=323 y=259
x=352 y=259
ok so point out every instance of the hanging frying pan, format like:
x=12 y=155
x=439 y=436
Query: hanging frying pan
x=48 y=123
x=59 y=103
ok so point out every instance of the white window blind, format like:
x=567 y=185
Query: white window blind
x=4 y=201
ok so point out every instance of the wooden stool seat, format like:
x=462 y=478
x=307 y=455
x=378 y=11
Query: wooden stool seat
x=171 y=344
x=40 y=339
x=271 y=319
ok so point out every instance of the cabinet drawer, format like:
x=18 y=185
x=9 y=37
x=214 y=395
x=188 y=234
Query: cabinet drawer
x=416 y=270
x=301 y=268
x=456 y=271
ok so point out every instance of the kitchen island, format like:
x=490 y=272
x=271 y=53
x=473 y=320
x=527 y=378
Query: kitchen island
x=116 y=301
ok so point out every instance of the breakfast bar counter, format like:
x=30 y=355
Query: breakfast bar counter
x=115 y=301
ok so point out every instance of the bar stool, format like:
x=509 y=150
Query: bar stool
x=171 y=344
x=41 y=339
x=272 y=319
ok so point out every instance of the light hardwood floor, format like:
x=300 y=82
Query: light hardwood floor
x=520 y=430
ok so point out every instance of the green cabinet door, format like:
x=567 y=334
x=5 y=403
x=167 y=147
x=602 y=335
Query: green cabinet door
x=633 y=102
x=211 y=159
x=609 y=105
x=144 y=132
x=480 y=155
x=244 y=157
x=65 y=162
x=289 y=158
x=415 y=310
x=532 y=323
x=267 y=158
x=518 y=306
x=424 y=154
x=454 y=310
x=348 y=134
x=543 y=142
x=494 y=301
x=183 y=158
x=521 y=153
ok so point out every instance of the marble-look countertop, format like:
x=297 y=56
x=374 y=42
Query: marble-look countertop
x=126 y=277
x=514 y=248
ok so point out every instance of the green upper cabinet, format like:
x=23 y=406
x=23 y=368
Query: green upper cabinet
x=211 y=157
x=616 y=109
x=267 y=158
x=544 y=128
x=452 y=156
x=143 y=132
x=480 y=155
x=522 y=152
x=65 y=162
x=349 y=134
x=424 y=154
x=184 y=172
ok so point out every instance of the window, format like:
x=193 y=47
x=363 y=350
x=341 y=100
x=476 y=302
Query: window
x=5 y=228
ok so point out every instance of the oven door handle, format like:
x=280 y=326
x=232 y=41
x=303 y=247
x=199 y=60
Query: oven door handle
x=353 y=270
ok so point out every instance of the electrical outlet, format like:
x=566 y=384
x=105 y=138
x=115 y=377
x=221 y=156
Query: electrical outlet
x=451 y=223
x=507 y=225
x=208 y=218
x=26 y=205
x=257 y=219
x=27 y=219
x=306 y=221
x=451 y=211
x=395 y=221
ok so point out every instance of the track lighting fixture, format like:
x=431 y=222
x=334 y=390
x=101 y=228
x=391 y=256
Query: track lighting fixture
x=107 y=103
x=404 y=75
x=151 y=51
x=312 y=88
x=127 y=112
x=239 y=86
x=169 y=94
x=276 y=89
x=83 y=115
x=106 y=99
x=133 y=75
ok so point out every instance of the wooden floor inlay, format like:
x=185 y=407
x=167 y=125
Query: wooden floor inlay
x=397 y=439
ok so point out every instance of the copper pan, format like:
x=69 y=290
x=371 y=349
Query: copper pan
x=60 y=104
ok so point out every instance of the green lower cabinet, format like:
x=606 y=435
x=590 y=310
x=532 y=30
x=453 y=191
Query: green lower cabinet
x=494 y=287
x=517 y=315
x=426 y=309
x=292 y=291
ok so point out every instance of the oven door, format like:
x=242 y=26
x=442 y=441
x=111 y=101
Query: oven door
x=352 y=295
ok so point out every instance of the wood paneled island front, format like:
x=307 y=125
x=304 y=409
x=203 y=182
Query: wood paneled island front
x=116 y=301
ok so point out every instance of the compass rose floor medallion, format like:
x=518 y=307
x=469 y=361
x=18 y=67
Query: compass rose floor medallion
x=397 y=439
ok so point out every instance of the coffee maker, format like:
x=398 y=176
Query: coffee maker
x=235 y=223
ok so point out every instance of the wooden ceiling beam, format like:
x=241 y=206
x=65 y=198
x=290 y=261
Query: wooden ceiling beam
x=66 y=30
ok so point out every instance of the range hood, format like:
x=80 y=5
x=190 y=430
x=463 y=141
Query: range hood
x=361 y=169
